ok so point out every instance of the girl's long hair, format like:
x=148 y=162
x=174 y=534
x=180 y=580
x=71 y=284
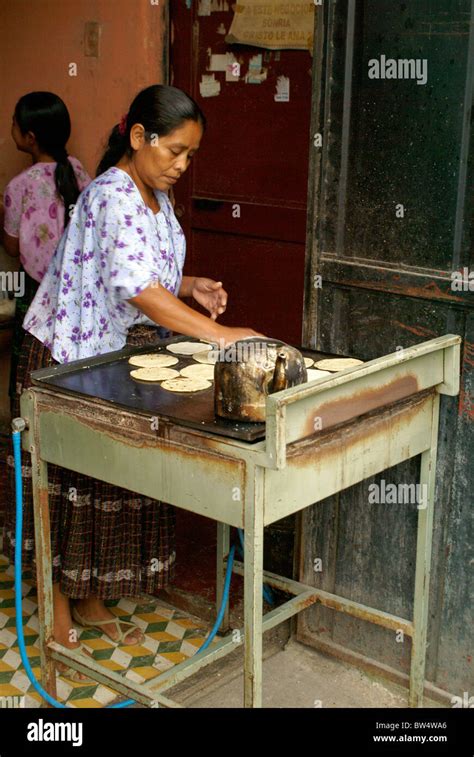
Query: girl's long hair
x=160 y=109
x=46 y=115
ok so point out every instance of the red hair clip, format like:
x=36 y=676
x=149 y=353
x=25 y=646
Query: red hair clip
x=123 y=125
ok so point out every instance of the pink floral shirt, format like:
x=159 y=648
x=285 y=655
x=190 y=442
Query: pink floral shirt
x=34 y=213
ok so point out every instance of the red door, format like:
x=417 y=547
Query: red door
x=242 y=202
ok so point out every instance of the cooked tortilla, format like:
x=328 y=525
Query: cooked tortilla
x=308 y=361
x=153 y=360
x=199 y=370
x=188 y=348
x=183 y=384
x=206 y=358
x=154 y=374
x=338 y=363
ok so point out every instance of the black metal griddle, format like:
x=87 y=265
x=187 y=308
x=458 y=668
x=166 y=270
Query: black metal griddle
x=107 y=378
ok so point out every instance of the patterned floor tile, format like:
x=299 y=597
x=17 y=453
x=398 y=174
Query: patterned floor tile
x=146 y=672
x=171 y=636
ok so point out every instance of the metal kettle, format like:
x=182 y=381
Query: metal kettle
x=251 y=369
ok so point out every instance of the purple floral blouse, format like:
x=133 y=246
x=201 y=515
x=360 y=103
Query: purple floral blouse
x=113 y=248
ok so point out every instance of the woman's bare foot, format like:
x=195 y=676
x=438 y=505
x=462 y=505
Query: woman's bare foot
x=64 y=632
x=93 y=608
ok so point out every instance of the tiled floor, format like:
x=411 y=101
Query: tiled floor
x=171 y=636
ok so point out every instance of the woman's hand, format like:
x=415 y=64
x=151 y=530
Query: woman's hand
x=229 y=334
x=210 y=294
x=164 y=308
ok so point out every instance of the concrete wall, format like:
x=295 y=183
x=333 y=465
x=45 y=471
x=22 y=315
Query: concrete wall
x=38 y=42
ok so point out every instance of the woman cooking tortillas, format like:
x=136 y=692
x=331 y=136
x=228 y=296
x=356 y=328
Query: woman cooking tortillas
x=115 y=276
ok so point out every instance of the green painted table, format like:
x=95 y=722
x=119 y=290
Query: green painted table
x=320 y=438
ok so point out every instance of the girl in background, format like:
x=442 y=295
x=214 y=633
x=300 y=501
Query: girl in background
x=38 y=202
x=37 y=206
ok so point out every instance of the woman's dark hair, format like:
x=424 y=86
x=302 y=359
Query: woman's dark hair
x=45 y=114
x=160 y=109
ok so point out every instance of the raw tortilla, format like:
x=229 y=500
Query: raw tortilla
x=153 y=360
x=188 y=348
x=313 y=374
x=308 y=361
x=207 y=358
x=338 y=363
x=183 y=384
x=198 y=370
x=154 y=374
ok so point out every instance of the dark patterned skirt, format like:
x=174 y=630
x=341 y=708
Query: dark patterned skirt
x=22 y=305
x=105 y=541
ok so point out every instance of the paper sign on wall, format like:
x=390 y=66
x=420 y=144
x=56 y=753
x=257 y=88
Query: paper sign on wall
x=256 y=74
x=206 y=7
x=226 y=62
x=283 y=90
x=273 y=24
x=218 y=63
x=209 y=86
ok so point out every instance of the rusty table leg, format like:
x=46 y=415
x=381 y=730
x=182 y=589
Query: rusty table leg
x=44 y=573
x=423 y=563
x=253 y=580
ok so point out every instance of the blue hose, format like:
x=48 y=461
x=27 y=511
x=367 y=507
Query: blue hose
x=266 y=590
x=16 y=435
x=225 y=598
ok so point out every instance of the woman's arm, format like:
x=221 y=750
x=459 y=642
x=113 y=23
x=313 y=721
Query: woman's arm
x=164 y=308
x=186 y=288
